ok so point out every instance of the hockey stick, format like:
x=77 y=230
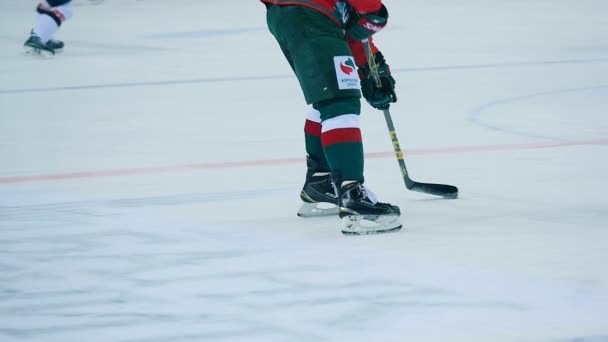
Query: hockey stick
x=444 y=190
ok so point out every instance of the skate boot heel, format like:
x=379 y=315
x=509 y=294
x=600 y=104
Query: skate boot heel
x=318 y=194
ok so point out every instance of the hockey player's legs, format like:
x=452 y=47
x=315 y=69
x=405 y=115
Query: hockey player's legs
x=51 y=14
x=327 y=74
x=301 y=34
x=318 y=52
x=360 y=211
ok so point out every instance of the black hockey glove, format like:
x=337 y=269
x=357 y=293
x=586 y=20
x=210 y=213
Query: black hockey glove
x=362 y=26
x=378 y=97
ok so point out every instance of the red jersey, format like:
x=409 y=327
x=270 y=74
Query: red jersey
x=331 y=9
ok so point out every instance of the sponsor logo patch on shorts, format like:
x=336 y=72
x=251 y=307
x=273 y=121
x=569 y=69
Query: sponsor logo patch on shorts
x=346 y=71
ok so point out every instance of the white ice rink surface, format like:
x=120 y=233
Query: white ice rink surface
x=149 y=179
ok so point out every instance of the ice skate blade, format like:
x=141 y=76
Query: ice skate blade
x=370 y=224
x=319 y=209
x=31 y=51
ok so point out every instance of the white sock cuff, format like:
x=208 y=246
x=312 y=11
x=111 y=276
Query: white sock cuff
x=314 y=115
x=342 y=121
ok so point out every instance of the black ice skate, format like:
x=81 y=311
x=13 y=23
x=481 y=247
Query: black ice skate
x=362 y=214
x=319 y=194
x=55 y=45
x=35 y=46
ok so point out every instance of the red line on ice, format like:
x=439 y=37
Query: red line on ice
x=274 y=162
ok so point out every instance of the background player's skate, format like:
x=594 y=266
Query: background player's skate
x=34 y=45
x=51 y=15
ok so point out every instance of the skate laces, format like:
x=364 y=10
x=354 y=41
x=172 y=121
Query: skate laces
x=334 y=188
x=367 y=193
x=321 y=184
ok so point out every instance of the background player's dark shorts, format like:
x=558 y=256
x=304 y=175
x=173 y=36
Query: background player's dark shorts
x=310 y=40
x=55 y=3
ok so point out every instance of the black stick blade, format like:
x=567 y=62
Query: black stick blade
x=443 y=190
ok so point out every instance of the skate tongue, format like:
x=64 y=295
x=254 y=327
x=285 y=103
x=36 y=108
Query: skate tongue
x=366 y=192
x=369 y=194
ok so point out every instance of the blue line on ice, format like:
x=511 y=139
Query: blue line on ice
x=205 y=33
x=136 y=84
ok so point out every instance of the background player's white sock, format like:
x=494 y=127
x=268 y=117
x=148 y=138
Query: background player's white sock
x=45 y=27
x=50 y=18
